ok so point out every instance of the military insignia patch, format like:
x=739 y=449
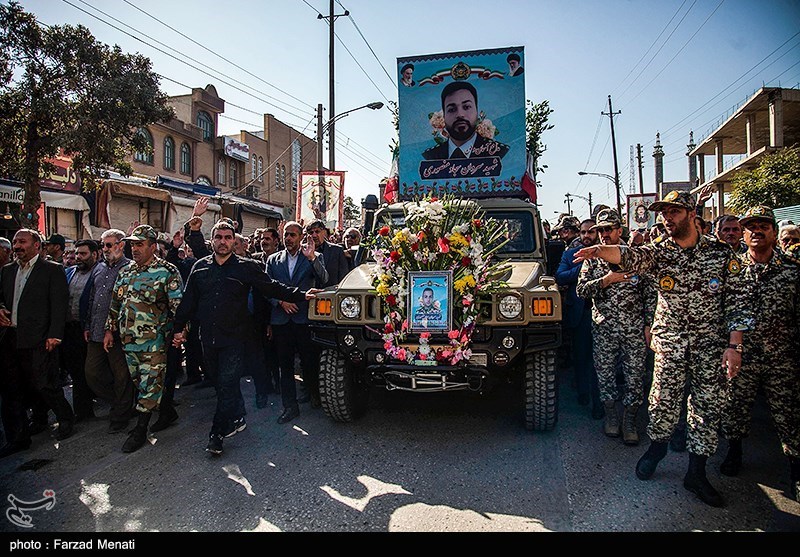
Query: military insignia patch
x=734 y=267
x=634 y=279
x=714 y=284
x=671 y=196
x=667 y=283
x=120 y=292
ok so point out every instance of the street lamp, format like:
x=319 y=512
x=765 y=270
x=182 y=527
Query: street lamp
x=613 y=180
x=329 y=127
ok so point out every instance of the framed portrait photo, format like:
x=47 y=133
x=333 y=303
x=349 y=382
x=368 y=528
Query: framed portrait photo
x=430 y=301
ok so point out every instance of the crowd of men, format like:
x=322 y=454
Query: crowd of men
x=123 y=317
x=707 y=314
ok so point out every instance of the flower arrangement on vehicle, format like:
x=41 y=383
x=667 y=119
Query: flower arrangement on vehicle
x=438 y=234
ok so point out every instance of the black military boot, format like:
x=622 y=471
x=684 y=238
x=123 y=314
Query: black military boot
x=696 y=481
x=646 y=466
x=138 y=435
x=733 y=460
x=794 y=464
x=166 y=417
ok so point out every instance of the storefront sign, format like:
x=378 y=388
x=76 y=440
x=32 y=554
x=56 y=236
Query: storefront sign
x=237 y=150
x=10 y=194
x=64 y=177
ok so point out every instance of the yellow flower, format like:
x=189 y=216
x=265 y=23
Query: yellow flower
x=399 y=238
x=464 y=284
x=458 y=239
x=383 y=289
x=385 y=278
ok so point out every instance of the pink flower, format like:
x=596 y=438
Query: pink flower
x=423 y=357
x=401 y=354
x=466 y=302
x=388 y=328
x=405 y=325
x=387 y=345
x=452 y=334
x=425 y=335
x=444 y=245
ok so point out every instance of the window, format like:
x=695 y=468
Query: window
x=297 y=161
x=232 y=175
x=277 y=176
x=253 y=164
x=206 y=123
x=169 y=153
x=261 y=169
x=146 y=156
x=186 y=159
x=221 y=172
x=283 y=176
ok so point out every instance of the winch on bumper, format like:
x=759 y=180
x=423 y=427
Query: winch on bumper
x=494 y=351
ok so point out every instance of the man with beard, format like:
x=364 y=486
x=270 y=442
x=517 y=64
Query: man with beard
x=5 y=251
x=460 y=110
x=33 y=309
x=73 y=349
x=699 y=324
x=729 y=230
x=216 y=296
x=622 y=310
x=143 y=304
x=770 y=351
x=578 y=319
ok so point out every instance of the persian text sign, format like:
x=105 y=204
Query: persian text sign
x=321 y=197
x=236 y=149
x=462 y=123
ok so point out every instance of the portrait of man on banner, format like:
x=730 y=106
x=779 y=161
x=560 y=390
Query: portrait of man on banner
x=320 y=196
x=429 y=301
x=462 y=126
x=639 y=217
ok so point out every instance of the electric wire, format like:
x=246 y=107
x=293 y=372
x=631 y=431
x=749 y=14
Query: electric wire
x=353 y=21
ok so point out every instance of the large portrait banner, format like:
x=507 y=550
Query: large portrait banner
x=462 y=124
x=320 y=196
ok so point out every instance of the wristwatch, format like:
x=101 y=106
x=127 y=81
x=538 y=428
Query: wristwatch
x=738 y=347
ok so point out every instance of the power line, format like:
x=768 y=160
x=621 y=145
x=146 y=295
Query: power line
x=360 y=66
x=170 y=54
x=234 y=64
x=353 y=21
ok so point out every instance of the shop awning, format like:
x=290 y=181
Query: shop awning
x=70 y=201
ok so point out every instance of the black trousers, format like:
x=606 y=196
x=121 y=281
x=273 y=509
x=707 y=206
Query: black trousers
x=291 y=339
x=28 y=374
x=73 y=355
x=194 y=352
x=224 y=366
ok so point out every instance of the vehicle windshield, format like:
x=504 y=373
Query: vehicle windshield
x=522 y=238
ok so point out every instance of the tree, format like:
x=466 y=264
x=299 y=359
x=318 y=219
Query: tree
x=352 y=212
x=62 y=89
x=536 y=116
x=774 y=182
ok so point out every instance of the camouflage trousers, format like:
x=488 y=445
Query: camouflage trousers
x=147 y=372
x=779 y=375
x=697 y=360
x=611 y=341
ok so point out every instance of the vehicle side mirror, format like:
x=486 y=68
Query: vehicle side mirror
x=546 y=281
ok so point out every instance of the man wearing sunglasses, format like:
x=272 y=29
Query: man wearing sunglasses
x=623 y=305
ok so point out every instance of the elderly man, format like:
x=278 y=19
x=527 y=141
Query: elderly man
x=5 y=251
x=699 y=324
x=145 y=297
x=107 y=372
x=729 y=230
x=622 y=311
x=216 y=296
x=33 y=310
x=788 y=236
x=352 y=239
x=771 y=353
x=332 y=254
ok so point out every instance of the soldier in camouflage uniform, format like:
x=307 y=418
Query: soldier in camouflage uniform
x=770 y=352
x=622 y=311
x=144 y=300
x=701 y=303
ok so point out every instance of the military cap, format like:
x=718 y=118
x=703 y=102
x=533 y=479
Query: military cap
x=57 y=239
x=143 y=232
x=675 y=198
x=567 y=221
x=607 y=217
x=759 y=212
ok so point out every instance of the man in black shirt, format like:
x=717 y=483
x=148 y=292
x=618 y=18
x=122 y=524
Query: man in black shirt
x=216 y=297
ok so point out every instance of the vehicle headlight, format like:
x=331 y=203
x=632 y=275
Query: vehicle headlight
x=510 y=307
x=350 y=307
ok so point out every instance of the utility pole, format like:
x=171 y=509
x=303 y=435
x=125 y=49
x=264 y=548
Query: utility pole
x=331 y=108
x=641 y=165
x=611 y=115
x=569 y=206
x=319 y=138
x=591 y=207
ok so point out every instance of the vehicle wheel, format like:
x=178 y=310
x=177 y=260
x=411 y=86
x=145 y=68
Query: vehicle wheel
x=541 y=395
x=343 y=397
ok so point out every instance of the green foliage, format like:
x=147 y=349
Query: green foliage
x=61 y=88
x=775 y=182
x=352 y=212
x=536 y=117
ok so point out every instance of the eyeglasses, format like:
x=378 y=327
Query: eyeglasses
x=602 y=229
x=109 y=245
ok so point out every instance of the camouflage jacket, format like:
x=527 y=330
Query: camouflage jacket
x=700 y=289
x=774 y=296
x=629 y=304
x=143 y=305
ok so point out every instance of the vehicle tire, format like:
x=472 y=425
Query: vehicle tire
x=541 y=395
x=343 y=397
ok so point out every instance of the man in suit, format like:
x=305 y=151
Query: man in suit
x=33 y=310
x=578 y=318
x=290 y=330
x=332 y=254
x=460 y=110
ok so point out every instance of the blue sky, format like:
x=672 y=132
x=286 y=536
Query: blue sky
x=705 y=57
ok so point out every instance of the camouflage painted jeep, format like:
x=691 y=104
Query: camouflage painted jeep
x=515 y=339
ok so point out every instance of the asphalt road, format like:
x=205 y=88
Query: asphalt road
x=434 y=462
